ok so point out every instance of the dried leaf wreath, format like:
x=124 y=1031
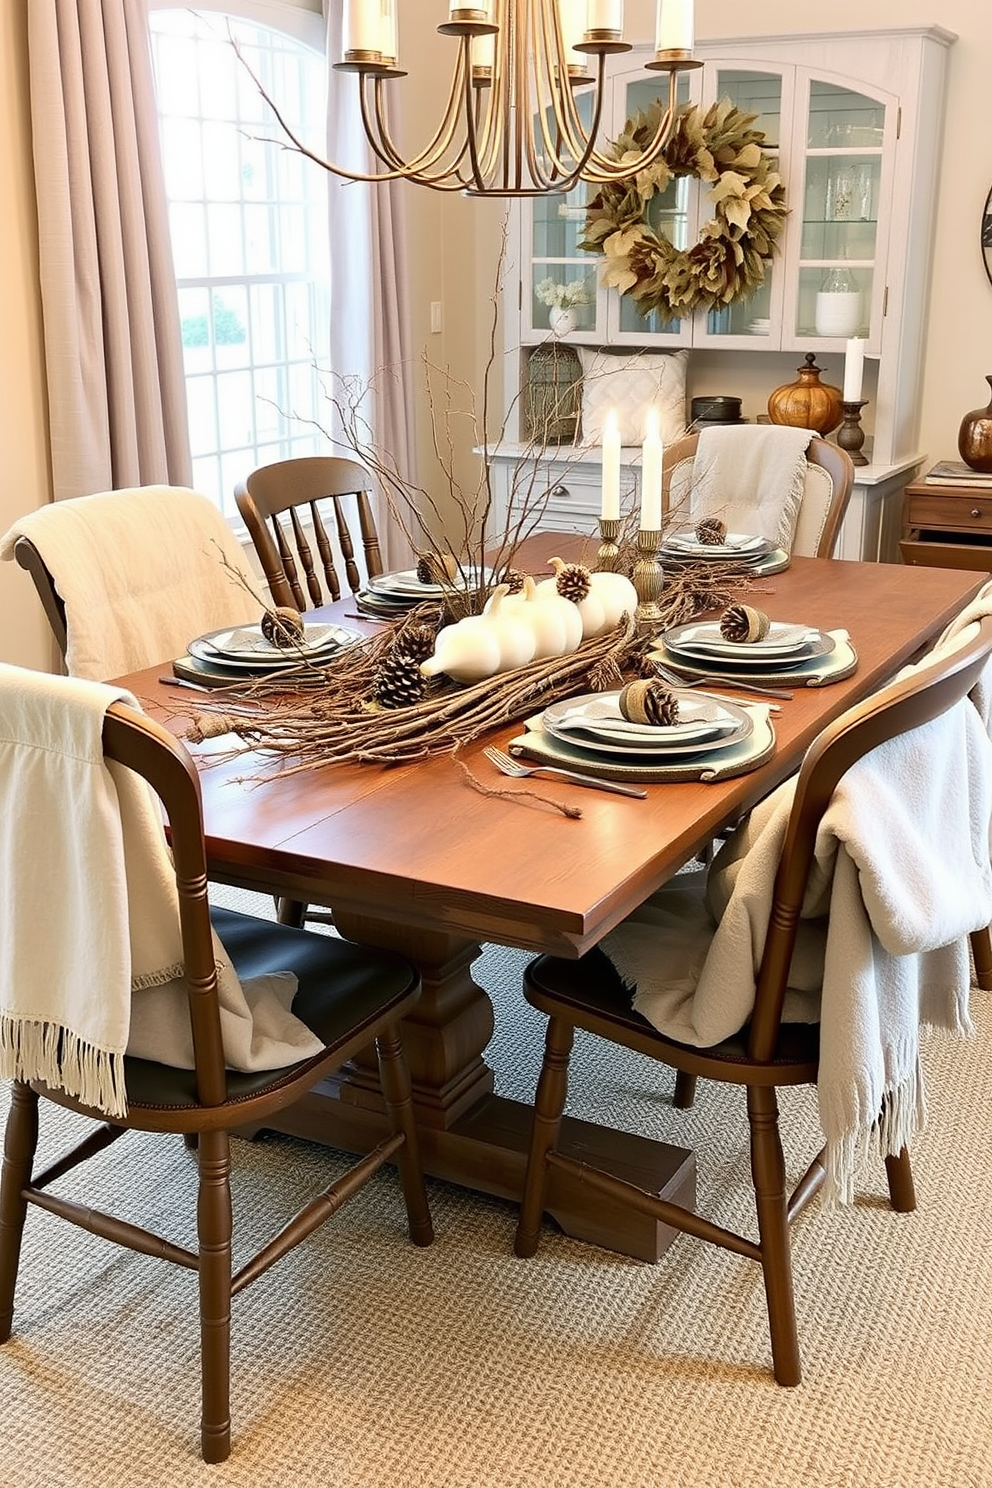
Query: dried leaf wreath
x=728 y=261
x=315 y=716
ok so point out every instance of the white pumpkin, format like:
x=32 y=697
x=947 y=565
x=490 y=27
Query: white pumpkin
x=482 y=645
x=555 y=621
x=517 y=641
x=591 y=611
x=617 y=595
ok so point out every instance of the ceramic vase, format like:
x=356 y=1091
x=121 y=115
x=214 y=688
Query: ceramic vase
x=562 y=320
x=807 y=403
x=975 y=436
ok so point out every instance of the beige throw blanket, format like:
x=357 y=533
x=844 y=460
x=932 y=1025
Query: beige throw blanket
x=141 y=573
x=902 y=868
x=91 y=954
x=752 y=477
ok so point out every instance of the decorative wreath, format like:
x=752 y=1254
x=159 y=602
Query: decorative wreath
x=728 y=262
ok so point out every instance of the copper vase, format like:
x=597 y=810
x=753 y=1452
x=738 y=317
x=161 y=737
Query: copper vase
x=975 y=436
x=807 y=403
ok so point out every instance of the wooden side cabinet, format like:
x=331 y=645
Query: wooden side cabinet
x=947 y=526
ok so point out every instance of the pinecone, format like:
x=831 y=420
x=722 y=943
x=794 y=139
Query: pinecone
x=417 y=641
x=573 y=582
x=399 y=682
x=649 y=701
x=283 y=626
x=514 y=578
x=711 y=531
x=739 y=622
x=436 y=568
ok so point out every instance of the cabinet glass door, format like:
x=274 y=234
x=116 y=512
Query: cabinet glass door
x=562 y=283
x=841 y=194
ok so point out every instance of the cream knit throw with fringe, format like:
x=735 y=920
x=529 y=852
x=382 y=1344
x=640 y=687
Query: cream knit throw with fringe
x=902 y=869
x=752 y=478
x=141 y=572
x=89 y=912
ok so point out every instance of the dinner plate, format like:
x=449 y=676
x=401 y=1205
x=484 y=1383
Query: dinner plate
x=723 y=724
x=705 y=639
x=246 y=642
x=406 y=584
x=805 y=671
x=732 y=657
x=735 y=545
x=333 y=639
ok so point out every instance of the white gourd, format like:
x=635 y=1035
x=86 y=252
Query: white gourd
x=555 y=621
x=481 y=645
x=617 y=595
x=591 y=611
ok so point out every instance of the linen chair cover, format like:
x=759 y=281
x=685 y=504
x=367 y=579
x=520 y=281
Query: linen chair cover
x=827 y=482
x=279 y=501
x=347 y=997
x=769 y=1050
x=129 y=577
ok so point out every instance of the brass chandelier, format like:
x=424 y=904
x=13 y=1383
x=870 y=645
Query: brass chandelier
x=512 y=125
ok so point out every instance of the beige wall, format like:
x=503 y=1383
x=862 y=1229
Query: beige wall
x=454 y=245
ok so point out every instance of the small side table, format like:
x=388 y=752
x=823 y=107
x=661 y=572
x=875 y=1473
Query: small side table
x=947 y=526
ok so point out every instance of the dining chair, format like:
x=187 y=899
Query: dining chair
x=767 y=1052
x=128 y=577
x=829 y=480
x=349 y=996
x=279 y=502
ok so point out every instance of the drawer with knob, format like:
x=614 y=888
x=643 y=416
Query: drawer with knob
x=947 y=527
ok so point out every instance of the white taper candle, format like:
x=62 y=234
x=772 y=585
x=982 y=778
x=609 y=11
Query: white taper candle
x=652 y=458
x=854 y=362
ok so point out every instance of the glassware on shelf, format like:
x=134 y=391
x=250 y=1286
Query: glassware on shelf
x=838 y=304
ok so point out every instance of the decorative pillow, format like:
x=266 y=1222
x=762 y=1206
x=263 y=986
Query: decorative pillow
x=631 y=385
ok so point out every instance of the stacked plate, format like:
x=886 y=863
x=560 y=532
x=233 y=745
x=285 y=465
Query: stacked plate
x=699 y=650
x=244 y=651
x=594 y=727
x=389 y=595
x=736 y=547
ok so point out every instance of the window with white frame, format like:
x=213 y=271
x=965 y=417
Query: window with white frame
x=249 y=236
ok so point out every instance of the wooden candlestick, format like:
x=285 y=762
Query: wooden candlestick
x=850 y=435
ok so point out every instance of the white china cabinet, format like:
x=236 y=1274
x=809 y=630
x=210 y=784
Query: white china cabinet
x=854 y=122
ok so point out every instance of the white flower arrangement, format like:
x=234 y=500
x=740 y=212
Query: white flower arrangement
x=562 y=296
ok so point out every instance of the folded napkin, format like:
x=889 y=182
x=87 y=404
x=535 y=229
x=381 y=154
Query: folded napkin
x=780 y=637
x=698 y=718
x=734 y=543
x=91 y=959
x=140 y=572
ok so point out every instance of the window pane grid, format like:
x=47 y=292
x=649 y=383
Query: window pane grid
x=248 y=220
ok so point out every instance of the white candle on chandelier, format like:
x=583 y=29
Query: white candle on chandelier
x=854 y=363
x=387 y=31
x=652 y=462
x=482 y=50
x=675 y=31
x=605 y=15
x=611 y=468
x=362 y=26
x=572 y=15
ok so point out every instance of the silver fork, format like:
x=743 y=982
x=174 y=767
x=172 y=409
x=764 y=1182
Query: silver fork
x=722 y=684
x=515 y=768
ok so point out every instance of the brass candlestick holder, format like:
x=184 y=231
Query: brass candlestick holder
x=608 y=557
x=850 y=435
x=648 y=579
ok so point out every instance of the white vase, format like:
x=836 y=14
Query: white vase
x=838 y=312
x=562 y=320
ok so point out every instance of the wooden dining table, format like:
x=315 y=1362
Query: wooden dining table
x=414 y=858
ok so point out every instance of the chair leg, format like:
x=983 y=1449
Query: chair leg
x=768 y=1174
x=899 y=1173
x=981 y=947
x=685 y=1091
x=214 y=1224
x=394 y=1076
x=18 y=1160
x=549 y=1103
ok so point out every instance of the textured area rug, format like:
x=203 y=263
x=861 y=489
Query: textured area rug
x=361 y=1361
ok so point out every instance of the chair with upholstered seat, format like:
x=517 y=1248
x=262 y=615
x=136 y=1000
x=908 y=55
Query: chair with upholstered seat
x=826 y=492
x=279 y=501
x=768 y=1051
x=347 y=996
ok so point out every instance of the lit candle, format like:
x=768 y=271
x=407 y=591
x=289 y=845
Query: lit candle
x=675 y=31
x=854 y=362
x=611 y=468
x=652 y=457
x=363 y=26
x=605 y=15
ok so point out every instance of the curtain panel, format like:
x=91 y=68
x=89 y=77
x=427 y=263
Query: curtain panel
x=113 y=349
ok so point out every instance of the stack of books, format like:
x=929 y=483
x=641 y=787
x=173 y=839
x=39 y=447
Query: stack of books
x=957 y=473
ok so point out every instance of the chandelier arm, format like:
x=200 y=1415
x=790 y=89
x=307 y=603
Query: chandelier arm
x=421 y=168
x=605 y=170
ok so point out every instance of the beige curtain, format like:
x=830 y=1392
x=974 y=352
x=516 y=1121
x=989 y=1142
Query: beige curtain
x=370 y=302
x=112 y=338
